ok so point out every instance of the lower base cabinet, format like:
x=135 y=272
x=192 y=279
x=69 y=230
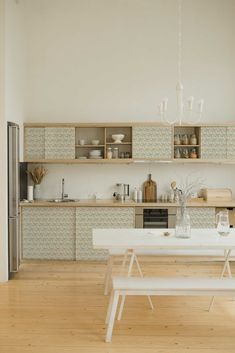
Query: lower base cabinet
x=202 y=217
x=88 y=218
x=48 y=233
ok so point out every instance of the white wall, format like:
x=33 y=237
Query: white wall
x=15 y=65
x=3 y=161
x=114 y=60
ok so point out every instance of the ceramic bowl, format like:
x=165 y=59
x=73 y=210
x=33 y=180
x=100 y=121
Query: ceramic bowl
x=117 y=138
x=95 y=153
x=95 y=142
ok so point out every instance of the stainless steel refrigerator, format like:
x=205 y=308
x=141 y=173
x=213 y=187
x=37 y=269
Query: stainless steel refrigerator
x=13 y=199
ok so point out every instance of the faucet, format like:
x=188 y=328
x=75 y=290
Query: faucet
x=63 y=195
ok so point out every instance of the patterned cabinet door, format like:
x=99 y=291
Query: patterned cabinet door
x=231 y=142
x=202 y=217
x=34 y=143
x=48 y=233
x=88 y=218
x=213 y=142
x=60 y=143
x=152 y=142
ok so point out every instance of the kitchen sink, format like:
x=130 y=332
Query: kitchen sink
x=64 y=200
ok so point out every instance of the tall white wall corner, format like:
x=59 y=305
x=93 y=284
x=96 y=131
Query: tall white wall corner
x=3 y=153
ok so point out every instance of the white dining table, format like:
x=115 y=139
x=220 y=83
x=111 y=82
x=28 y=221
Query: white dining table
x=130 y=241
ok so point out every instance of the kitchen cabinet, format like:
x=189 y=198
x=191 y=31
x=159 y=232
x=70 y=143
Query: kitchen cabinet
x=48 y=233
x=202 y=217
x=231 y=142
x=214 y=142
x=88 y=218
x=59 y=143
x=152 y=142
x=34 y=143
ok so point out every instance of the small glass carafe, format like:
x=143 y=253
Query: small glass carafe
x=222 y=221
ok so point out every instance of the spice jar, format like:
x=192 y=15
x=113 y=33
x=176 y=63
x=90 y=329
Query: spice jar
x=193 y=139
x=193 y=153
x=177 y=140
x=115 y=152
x=109 y=153
x=185 y=140
x=177 y=153
x=185 y=153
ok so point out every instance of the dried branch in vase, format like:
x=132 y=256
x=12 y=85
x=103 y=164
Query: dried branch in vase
x=37 y=174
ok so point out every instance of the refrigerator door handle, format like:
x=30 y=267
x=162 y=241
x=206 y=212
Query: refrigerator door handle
x=13 y=171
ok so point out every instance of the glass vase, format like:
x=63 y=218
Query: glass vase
x=37 y=192
x=183 y=228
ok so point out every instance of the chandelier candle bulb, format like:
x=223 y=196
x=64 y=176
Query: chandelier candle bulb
x=190 y=103
x=164 y=103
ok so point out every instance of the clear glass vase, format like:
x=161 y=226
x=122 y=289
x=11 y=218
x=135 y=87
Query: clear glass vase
x=183 y=228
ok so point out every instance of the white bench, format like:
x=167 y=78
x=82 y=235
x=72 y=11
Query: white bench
x=164 y=286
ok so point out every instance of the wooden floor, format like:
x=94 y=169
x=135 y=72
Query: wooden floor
x=59 y=307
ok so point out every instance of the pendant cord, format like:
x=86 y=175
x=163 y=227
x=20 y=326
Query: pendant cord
x=179 y=40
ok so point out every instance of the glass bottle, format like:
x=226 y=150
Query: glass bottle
x=150 y=190
x=115 y=152
x=109 y=153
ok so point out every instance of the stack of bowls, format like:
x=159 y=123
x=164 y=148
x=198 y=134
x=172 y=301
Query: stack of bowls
x=95 y=154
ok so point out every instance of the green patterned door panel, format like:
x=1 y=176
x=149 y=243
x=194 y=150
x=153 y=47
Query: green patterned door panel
x=231 y=142
x=152 y=142
x=60 y=143
x=88 y=218
x=34 y=143
x=213 y=142
x=48 y=233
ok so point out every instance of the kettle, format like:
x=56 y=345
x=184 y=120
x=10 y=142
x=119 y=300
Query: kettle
x=222 y=221
x=123 y=192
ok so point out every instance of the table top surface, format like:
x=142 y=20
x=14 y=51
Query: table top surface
x=155 y=239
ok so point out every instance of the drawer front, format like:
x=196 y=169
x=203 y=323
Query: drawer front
x=34 y=143
x=88 y=218
x=213 y=142
x=59 y=143
x=152 y=142
x=48 y=233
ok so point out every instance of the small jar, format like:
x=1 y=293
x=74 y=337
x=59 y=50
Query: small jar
x=127 y=155
x=115 y=152
x=177 y=153
x=177 y=140
x=109 y=153
x=185 y=153
x=193 y=139
x=193 y=153
x=185 y=140
x=122 y=155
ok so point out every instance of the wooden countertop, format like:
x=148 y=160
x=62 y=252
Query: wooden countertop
x=129 y=203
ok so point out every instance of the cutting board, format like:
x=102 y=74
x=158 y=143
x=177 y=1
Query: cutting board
x=217 y=194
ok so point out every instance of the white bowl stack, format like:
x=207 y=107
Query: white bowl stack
x=95 y=154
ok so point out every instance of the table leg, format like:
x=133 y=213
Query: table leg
x=226 y=266
x=128 y=275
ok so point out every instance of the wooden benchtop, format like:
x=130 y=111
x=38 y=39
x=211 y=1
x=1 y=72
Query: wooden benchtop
x=129 y=203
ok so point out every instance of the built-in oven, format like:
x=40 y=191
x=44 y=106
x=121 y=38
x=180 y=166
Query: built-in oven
x=155 y=217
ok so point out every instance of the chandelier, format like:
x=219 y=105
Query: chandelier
x=184 y=109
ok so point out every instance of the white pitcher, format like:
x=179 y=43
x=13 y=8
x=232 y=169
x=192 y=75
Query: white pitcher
x=222 y=221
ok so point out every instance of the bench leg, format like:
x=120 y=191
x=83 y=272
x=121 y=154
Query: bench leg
x=123 y=297
x=109 y=307
x=141 y=275
x=226 y=266
x=108 y=275
x=112 y=316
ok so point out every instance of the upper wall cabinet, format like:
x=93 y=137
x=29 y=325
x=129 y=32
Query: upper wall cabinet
x=214 y=142
x=59 y=143
x=231 y=142
x=34 y=143
x=152 y=142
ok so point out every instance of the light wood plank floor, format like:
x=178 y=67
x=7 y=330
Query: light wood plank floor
x=59 y=307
